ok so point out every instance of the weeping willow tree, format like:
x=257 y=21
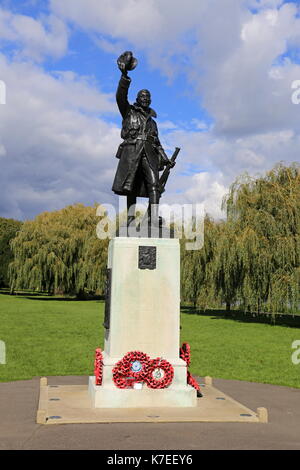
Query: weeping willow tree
x=226 y=269
x=197 y=272
x=59 y=252
x=8 y=230
x=263 y=217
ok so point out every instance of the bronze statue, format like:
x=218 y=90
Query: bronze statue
x=140 y=155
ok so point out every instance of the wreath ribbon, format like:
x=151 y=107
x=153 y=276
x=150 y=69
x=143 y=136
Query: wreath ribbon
x=98 y=366
x=185 y=354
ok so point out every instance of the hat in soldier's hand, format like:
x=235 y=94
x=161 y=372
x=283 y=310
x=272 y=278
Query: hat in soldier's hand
x=126 y=59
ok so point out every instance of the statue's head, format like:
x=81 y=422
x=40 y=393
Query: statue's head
x=144 y=98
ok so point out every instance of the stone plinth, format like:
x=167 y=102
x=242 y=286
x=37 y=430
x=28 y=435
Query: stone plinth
x=145 y=303
x=143 y=314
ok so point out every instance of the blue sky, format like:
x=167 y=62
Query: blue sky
x=220 y=74
x=172 y=98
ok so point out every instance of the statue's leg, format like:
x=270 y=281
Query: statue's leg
x=154 y=197
x=152 y=181
x=131 y=203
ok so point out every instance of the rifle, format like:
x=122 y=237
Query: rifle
x=162 y=182
x=164 y=177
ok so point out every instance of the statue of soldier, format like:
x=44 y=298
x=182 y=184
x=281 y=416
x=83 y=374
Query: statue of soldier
x=140 y=155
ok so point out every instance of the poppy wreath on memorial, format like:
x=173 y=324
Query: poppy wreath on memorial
x=185 y=354
x=132 y=368
x=160 y=374
x=98 y=366
x=192 y=381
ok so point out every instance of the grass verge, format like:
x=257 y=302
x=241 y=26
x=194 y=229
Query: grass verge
x=55 y=336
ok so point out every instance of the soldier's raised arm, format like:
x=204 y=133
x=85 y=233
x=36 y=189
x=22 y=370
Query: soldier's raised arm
x=126 y=62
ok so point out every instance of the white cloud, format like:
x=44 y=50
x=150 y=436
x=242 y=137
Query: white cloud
x=238 y=87
x=167 y=125
x=263 y=4
x=216 y=161
x=113 y=47
x=2 y=150
x=201 y=125
x=208 y=189
x=149 y=25
x=138 y=21
x=227 y=57
x=33 y=38
x=56 y=151
x=59 y=150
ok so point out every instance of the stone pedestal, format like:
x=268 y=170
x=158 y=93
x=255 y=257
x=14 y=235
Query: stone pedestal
x=143 y=314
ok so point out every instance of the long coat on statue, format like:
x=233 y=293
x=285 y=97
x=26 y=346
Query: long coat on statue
x=140 y=134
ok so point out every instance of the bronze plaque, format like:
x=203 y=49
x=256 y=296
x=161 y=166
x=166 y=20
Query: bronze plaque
x=147 y=257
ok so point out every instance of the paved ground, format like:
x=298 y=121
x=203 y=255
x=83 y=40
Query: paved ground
x=18 y=430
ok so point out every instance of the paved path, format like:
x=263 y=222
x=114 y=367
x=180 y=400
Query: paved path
x=18 y=430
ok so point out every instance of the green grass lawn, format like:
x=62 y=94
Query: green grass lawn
x=46 y=336
x=49 y=337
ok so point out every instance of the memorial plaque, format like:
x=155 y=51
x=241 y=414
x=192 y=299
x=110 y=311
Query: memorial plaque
x=147 y=257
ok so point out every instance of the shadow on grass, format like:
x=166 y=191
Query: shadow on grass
x=65 y=299
x=23 y=293
x=240 y=316
x=48 y=297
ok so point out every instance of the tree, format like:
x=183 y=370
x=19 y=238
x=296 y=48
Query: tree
x=227 y=270
x=59 y=252
x=8 y=230
x=264 y=213
x=197 y=284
